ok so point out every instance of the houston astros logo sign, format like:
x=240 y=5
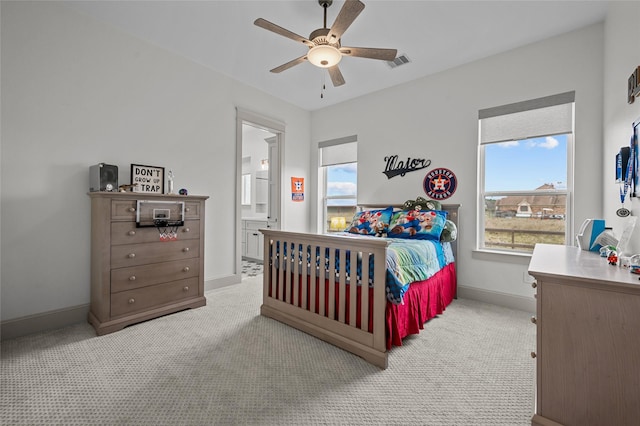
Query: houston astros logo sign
x=440 y=184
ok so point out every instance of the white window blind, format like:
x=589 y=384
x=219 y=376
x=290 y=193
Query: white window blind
x=551 y=115
x=338 y=151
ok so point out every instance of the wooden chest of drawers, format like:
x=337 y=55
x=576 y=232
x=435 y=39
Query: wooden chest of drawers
x=587 y=348
x=134 y=275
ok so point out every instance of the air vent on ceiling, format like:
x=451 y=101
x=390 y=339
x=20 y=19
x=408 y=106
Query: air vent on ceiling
x=400 y=60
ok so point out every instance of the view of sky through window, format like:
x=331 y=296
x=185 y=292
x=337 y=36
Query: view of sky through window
x=526 y=164
x=341 y=181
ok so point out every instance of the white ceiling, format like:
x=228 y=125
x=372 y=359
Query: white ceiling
x=435 y=35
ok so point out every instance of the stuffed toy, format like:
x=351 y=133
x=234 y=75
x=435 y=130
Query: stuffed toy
x=421 y=203
x=380 y=229
x=449 y=233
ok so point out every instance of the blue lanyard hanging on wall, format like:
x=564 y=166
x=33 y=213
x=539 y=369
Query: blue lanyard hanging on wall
x=629 y=178
x=634 y=143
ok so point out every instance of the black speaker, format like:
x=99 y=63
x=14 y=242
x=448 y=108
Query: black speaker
x=103 y=177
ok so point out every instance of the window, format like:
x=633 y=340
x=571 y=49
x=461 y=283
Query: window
x=338 y=171
x=525 y=159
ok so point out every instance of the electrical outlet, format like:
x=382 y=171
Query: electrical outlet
x=526 y=278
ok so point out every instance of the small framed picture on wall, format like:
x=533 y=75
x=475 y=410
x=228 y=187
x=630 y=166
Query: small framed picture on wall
x=147 y=179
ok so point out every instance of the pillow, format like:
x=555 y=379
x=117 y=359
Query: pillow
x=449 y=233
x=417 y=224
x=371 y=222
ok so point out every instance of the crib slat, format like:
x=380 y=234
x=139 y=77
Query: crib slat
x=322 y=276
x=332 y=283
x=305 y=252
x=353 y=289
x=342 y=286
x=294 y=272
x=296 y=275
x=313 y=258
x=275 y=268
x=286 y=277
x=277 y=290
x=291 y=259
x=364 y=293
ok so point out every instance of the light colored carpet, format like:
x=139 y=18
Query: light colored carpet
x=225 y=364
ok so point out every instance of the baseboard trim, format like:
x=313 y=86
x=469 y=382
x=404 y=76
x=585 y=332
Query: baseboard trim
x=53 y=320
x=521 y=303
x=222 y=282
x=45 y=321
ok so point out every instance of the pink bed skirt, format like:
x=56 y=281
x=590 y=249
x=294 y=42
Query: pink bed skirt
x=423 y=301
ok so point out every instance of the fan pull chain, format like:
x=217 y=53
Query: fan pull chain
x=324 y=87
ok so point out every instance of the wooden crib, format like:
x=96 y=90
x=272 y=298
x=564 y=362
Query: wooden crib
x=300 y=292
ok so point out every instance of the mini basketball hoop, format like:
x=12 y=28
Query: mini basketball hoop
x=168 y=230
x=165 y=216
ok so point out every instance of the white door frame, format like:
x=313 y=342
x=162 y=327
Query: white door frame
x=244 y=116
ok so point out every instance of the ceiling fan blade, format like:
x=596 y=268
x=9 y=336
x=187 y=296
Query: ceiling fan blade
x=370 y=52
x=349 y=12
x=263 y=23
x=289 y=64
x=336 y=76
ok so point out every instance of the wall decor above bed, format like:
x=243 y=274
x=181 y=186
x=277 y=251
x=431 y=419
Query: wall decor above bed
x=440 y=183
x=394 y=167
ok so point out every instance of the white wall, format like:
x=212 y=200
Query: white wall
x=437 y=118
x=76 y=92
x=622 y=56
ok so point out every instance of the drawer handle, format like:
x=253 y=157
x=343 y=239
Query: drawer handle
x=188 y=209
x=533 y=355
x=132 y=233
x=131 y=209
x=131 y=255
x=132 y=301
x=185 y=288
x=186 y=230
x=534 y=320
x=186 y=269
x=186 y=249
x=534 y=284
x=132 y=278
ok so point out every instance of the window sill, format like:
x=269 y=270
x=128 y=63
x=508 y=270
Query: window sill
x=502 y=256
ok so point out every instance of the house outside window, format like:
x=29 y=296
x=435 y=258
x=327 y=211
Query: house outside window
x=525 y=167
x=338 y=177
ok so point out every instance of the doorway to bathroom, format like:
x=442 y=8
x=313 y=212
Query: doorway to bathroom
x=259 y=150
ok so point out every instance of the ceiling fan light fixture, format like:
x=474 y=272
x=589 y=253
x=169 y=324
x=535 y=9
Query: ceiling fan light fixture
x=325 y=46
x=324 y=56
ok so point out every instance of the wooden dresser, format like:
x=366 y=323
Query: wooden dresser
x=134 y=275
x=588 y=339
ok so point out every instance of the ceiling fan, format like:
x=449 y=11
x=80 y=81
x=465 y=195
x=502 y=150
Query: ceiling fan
x=325 y=50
